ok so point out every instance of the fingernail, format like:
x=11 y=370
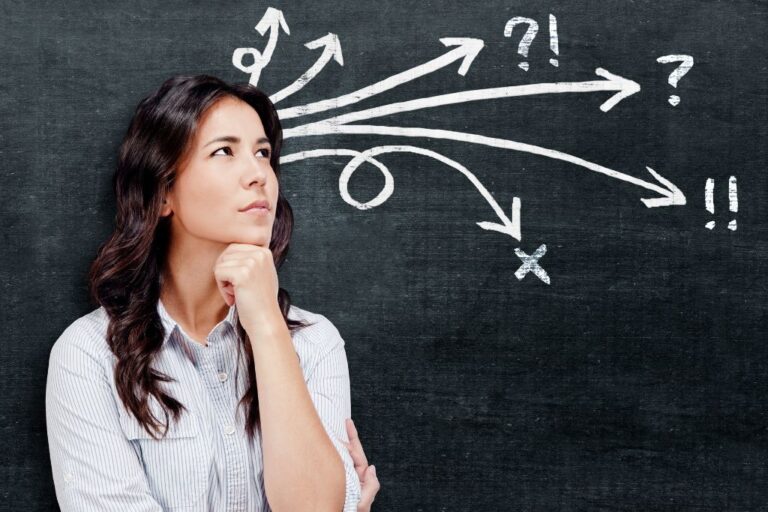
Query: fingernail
x=373 y=468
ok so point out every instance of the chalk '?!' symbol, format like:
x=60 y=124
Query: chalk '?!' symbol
x=686 y=63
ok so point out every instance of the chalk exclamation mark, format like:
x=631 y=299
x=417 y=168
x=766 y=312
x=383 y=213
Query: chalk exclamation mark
x=709 y=200
x=733 y=201
x=553 y=44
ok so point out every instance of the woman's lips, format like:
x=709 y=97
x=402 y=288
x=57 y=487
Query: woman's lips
x=257 y=211
x=262 y=203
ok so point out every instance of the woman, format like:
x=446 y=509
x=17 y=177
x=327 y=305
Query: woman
x=151 y=399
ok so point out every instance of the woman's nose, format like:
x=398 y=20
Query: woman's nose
x=257 y=169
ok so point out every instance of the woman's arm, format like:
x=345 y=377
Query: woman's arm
x=329 y=388
x=302 y=466
x=94 y=466
x=369 y=482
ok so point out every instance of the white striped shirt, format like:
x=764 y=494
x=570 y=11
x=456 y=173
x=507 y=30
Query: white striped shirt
x=102 y=459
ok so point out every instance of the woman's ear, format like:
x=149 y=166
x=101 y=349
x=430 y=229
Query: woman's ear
x=167 y=210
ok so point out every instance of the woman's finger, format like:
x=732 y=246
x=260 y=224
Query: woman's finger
x=360 y=466
x=369 y=487
x=226 y=276
x=369 y=483
x=356 y=447
x=356 y=451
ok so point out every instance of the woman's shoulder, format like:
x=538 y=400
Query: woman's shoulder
x=315 y=340
x=320 y=327
x=297 y=313
x=84 y=337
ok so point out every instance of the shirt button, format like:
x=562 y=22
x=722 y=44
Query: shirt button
x=222 y=376
x=229 y=430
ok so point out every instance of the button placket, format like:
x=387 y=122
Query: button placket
x=216 y=373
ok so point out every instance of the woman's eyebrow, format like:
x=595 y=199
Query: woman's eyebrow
x=234 y=140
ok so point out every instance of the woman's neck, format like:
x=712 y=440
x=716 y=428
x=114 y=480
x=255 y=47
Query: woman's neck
x=189 y=292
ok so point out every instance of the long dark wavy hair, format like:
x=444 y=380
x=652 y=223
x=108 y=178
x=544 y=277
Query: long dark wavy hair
x=126 y=276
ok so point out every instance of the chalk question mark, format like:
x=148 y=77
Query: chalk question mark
x=525 y=42
x=686 y=63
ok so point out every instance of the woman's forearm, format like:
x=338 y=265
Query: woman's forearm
x=302 y=469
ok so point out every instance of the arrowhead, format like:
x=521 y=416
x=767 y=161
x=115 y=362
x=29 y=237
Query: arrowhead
x=625 y=87
x=507 y=227
x=672 y=196
x=501 y=228
x=331 y=43
x=272 y=18
x=468 y=46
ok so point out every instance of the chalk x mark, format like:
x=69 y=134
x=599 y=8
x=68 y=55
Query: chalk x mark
x=531 y=264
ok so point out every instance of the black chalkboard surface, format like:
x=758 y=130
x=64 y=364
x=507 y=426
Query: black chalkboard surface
x=540 y=228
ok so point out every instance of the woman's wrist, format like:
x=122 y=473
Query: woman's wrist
x=266 y=323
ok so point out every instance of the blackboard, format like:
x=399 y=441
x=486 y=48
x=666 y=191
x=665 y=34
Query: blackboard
x=550 y=275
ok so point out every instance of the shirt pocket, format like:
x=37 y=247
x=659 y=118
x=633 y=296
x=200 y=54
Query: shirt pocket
x=174 y=464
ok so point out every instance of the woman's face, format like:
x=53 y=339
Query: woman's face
x=216 y=179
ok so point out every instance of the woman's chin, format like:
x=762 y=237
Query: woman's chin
x=258 y=239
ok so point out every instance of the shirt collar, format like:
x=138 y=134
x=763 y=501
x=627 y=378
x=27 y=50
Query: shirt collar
x=170 y=325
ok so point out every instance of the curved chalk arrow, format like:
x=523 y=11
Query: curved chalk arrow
x=671 y=194
x=510 y=227
x=272 y=20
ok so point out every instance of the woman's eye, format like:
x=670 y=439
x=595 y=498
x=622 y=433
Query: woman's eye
x=265 y=151
x=225 y=147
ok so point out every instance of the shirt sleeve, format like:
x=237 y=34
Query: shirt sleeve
x=95 y=467
x=329 y=388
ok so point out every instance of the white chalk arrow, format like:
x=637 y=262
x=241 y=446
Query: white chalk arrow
x=507 y=226
x=670 y=194
x=272 y=20
x=623 y=87
x=331 y=50
x=466 y=51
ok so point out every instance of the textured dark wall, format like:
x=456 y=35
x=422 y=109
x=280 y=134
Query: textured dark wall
x=634 y=380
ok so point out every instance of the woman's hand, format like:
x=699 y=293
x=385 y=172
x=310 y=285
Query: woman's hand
x=246 y=275
x=369 y=484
